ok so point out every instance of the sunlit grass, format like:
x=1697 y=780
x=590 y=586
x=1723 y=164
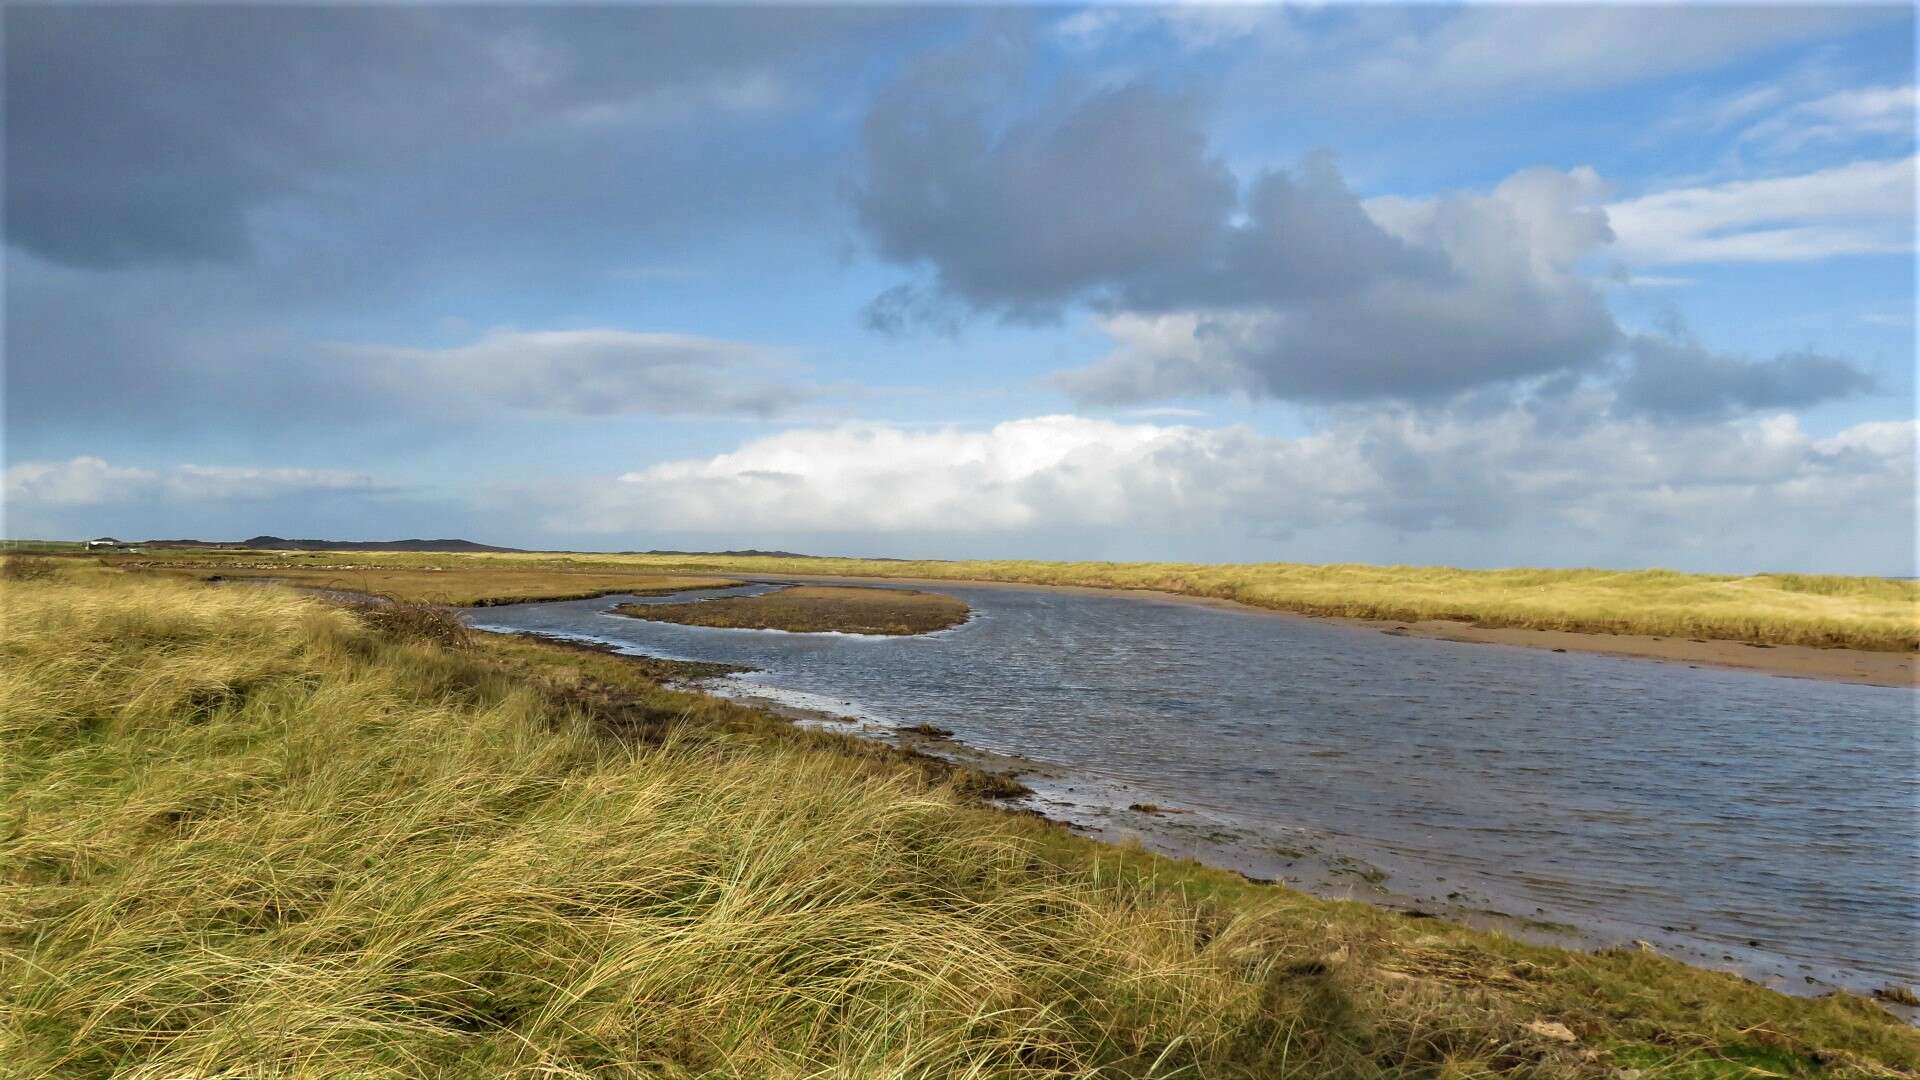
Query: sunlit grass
x=247 y=834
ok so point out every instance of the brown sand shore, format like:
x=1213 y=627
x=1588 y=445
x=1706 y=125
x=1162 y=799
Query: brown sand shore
x=1797 y=661
x=1794 y=661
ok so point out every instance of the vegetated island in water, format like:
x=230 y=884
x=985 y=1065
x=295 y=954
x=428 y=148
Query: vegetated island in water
x=812 y=609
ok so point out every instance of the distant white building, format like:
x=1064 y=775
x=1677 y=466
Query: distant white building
x=99 y=542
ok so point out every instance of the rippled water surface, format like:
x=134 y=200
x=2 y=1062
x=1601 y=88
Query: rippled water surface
x=1742 y=819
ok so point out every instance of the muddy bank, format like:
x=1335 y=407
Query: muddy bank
x=455 y=586
x=816 y=609
x=1796 y=661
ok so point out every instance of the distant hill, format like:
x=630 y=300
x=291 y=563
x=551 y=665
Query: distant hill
x=276 y=543
x=743 y=552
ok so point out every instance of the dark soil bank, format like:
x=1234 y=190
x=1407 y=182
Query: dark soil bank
x=816 y=609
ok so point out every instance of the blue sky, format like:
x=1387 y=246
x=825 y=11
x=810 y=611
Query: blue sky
x=1617 y=285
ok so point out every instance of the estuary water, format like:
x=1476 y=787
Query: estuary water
x=1747 y=821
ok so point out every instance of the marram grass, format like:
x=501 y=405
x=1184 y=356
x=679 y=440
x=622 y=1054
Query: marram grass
x=247 y=835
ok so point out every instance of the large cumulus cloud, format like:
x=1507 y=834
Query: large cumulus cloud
x=1560 y=475
x=1288 y=285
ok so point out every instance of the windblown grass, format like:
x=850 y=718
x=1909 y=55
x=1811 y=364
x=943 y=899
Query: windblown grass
x=247 y=834
x=816 y=608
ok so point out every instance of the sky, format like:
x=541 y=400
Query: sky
x=1555 y=285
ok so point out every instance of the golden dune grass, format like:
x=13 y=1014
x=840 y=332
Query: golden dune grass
x=246 y=834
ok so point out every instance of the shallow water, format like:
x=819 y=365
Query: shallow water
x=1736 y=819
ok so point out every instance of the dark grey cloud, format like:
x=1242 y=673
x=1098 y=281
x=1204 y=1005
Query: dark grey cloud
x=143 y=132
x=1680 y=378
x=1114 y=198
x=908 y=307
x=199 y=198
x=150 y=132
x=1086 y=196
x=1290 y=288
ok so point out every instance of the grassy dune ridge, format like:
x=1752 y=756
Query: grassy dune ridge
x=1881 y=614
x=247 y=833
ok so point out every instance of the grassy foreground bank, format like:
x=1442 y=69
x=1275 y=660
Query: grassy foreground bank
x=1881 y=614
x=247 y=834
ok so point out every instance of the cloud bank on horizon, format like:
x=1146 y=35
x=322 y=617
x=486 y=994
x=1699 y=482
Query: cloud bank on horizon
x=1478 y=285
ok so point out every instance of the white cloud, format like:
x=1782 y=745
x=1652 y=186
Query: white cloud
x=1039 y=472
x=1570 y=469
x=1195 y=26
x=1483 y=50
x=92 y=481
x=1165 y=412
x=591 y=372
x=1424 y=57
x=1651 y=281
x=1843 y=116
x=1865 y=207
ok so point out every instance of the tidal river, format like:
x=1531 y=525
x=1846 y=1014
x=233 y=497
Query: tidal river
x=1738 y=820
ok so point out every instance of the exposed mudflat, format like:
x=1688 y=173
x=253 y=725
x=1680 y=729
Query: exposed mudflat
x=1798 y=661
x=816 y=609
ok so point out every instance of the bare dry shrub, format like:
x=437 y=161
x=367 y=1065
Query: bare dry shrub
x=28 y=568
x=414 y=623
